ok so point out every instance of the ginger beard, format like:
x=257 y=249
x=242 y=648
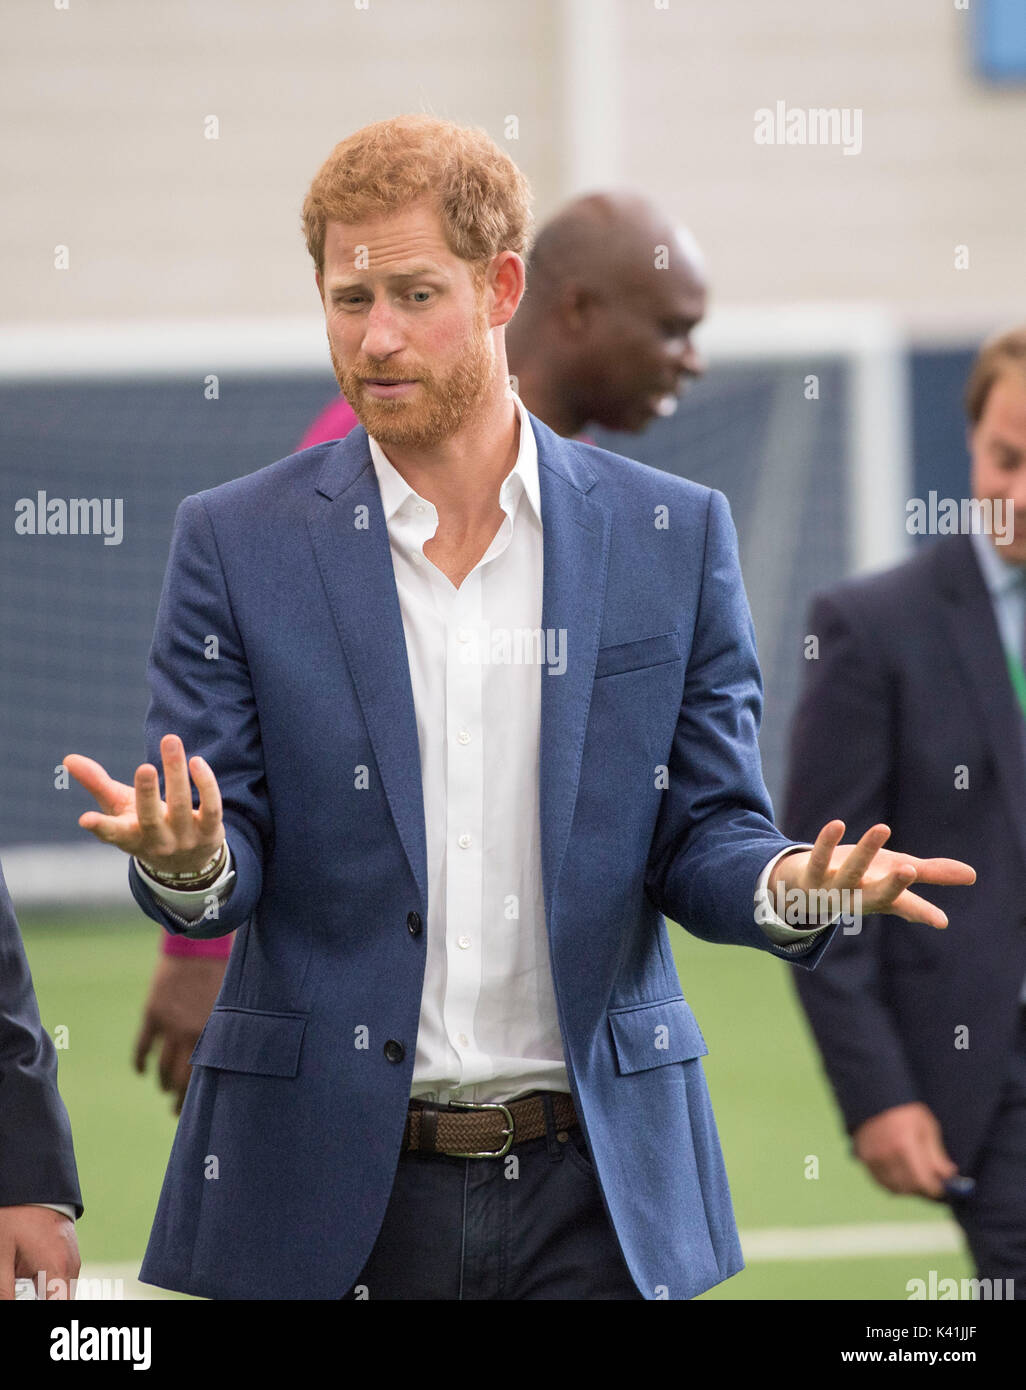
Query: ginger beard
x=438 y=405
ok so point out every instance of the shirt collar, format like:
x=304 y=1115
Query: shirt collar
x=999 y=577
x=395 y=490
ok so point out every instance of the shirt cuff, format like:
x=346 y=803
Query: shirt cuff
x=191 y=903
x=54 y=1206
x=775 y=928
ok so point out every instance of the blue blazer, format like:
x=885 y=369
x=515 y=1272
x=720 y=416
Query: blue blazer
x=911 y=684
x=37 y=1159
x=290 y=1134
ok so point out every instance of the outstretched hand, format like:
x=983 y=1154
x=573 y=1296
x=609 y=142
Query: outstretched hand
x=169 y=835
x=882 y=876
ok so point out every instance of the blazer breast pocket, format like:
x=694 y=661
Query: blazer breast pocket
x=639 y=655
x=249 y=1040
x=650 y=1035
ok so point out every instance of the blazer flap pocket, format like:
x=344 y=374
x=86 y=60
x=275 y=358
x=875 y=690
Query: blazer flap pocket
x=635 y=656
x=266 y=1044
x=650 y=1035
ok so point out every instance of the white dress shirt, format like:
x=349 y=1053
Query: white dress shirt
x=488 y=1023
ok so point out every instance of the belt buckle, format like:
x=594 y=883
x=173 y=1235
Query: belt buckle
x=487 y=1105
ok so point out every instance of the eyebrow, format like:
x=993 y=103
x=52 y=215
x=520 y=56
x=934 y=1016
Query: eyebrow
x=419 y=273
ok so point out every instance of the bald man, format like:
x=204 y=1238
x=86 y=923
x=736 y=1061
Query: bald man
x=602 y=335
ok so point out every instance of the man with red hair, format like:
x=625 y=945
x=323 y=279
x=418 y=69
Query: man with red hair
x=578 y=353
x=484 y=712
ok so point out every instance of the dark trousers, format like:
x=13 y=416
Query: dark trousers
x=494 y=1228
x=994 y=1217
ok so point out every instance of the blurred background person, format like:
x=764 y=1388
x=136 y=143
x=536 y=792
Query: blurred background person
x=914 y=713
x=603 y=334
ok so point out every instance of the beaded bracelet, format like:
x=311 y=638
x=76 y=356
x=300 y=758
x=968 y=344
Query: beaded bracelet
x=190 y=880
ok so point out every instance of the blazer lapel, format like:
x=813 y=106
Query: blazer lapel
x=350 y=540
x=977 y=644
x=575 y=549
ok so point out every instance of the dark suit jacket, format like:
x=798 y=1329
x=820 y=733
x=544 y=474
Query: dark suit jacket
x=37 y=1161
x=910 y=685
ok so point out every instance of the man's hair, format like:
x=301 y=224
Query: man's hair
x=481 y=197
x=997 y=355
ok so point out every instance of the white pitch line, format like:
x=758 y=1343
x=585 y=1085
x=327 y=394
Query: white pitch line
x=851 y=1242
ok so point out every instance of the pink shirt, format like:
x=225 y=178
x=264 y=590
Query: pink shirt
x=334 y=422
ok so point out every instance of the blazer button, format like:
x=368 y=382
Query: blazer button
x=414 y=923
x=394 y=1051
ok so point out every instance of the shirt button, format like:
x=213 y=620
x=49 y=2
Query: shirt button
x=463 y=1040
x=464 y=842
x=463 y=635
x=463 y=736
x=394 y=1051
x=421 y=507
x=414 y=923
x=464 y=943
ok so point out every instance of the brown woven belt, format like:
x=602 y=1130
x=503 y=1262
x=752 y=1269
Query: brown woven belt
x=482 y=1131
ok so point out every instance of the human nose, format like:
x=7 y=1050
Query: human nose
x=691 y=360
x=381 y=336
x=686 y=359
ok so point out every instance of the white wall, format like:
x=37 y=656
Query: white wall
x=941 y=162
x=103 y=107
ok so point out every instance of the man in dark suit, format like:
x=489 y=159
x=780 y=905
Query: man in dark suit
x=39 y=1193
x=469 y=719
x=914 y=713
